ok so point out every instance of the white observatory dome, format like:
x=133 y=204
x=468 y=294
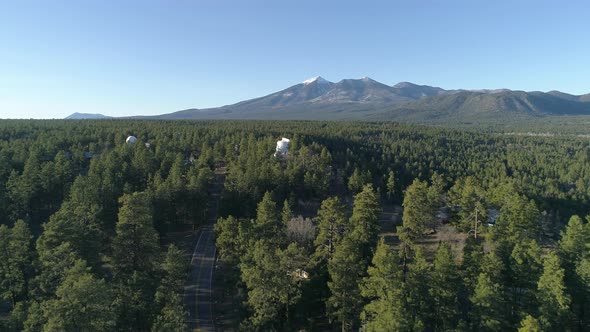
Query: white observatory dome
x=282 y=147
x=131 y=139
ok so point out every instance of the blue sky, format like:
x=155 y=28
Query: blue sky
x=153 y=57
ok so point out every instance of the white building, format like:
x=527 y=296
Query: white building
x=282 y=147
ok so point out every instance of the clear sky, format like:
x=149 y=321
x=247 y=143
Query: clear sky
x=124 y=57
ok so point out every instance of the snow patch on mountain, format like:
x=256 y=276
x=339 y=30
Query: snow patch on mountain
x=318 y=79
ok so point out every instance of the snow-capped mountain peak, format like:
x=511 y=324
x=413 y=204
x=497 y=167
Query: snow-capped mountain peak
x=318 y=79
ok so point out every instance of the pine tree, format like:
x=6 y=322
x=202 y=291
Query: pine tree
x=16 y=262
x=77 y=222
x=35 y=319
x=365 y=220
x=554 y=302
x=525 y=268
x=136 y=256
x=467 y=194
x=268 y=219
x=488 y=296
x=390 y=185
x=7 y=290
x=135 y=246
x=287 y=214
x=383 y=290
x=332 y=226
x=416 y=292
x=444 y=289
x=133 y=303
x=572 y=246
x=356 y=181
x=169 y=294
x=346 y=269
x=530 y=324
x=519 y=220
x=174 y=268
x=436 y=190
x=273 y=282
x=54 y=265
x=227 y=240
x=583 y=277
x=573 y=249
x=473 y=255
x=82 y=303
x=171 y=318
x=417 y=212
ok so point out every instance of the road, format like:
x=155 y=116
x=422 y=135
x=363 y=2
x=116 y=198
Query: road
x=198 y=292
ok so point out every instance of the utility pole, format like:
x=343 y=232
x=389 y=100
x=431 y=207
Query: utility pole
x=476 y=222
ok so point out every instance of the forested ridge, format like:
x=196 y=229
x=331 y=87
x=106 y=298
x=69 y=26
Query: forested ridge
x=86 y=225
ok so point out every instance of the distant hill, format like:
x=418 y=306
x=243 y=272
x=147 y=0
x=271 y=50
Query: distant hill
x=415 y=92
x=471 y=105
x=82 y=116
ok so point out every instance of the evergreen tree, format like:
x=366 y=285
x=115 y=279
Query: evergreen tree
x=135 y=260
x=268 y=219
x=530 y=324
x=518 y=220
x=583 y=292
x=473 y=255
x=526 y=266
x=16 y=262
x=417 y=212
x=171 y=317
x=573 y=248
x=383 y=290
x=467 y=195
x=416 y=292
x=436 y=191
x=488 y=296
x=358 y=180
x=554 y=302
x=35 y=319
x=272 y=280
x=365 y=220
x=169 y=294
x=444 y=289
x=54 y=265
x=174 y=268
x=6 y=288
x=227 y=239
x=82 y=303
x=332 y=226
x=287 y=214
x=345 y=269
x=390 y=185
x=78 y=224
x=573 y=243
x=135 y=246
x=134 y=301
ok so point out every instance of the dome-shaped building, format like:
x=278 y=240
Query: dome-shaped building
x=282 y=147
x=131 y=139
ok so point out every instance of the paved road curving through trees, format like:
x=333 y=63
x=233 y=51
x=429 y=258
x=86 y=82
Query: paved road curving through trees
x=198 y=292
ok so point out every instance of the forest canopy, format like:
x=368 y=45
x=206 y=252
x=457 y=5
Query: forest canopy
x=381 y=226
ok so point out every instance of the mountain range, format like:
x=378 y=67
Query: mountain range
x=81 y=116
x=367 y=99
